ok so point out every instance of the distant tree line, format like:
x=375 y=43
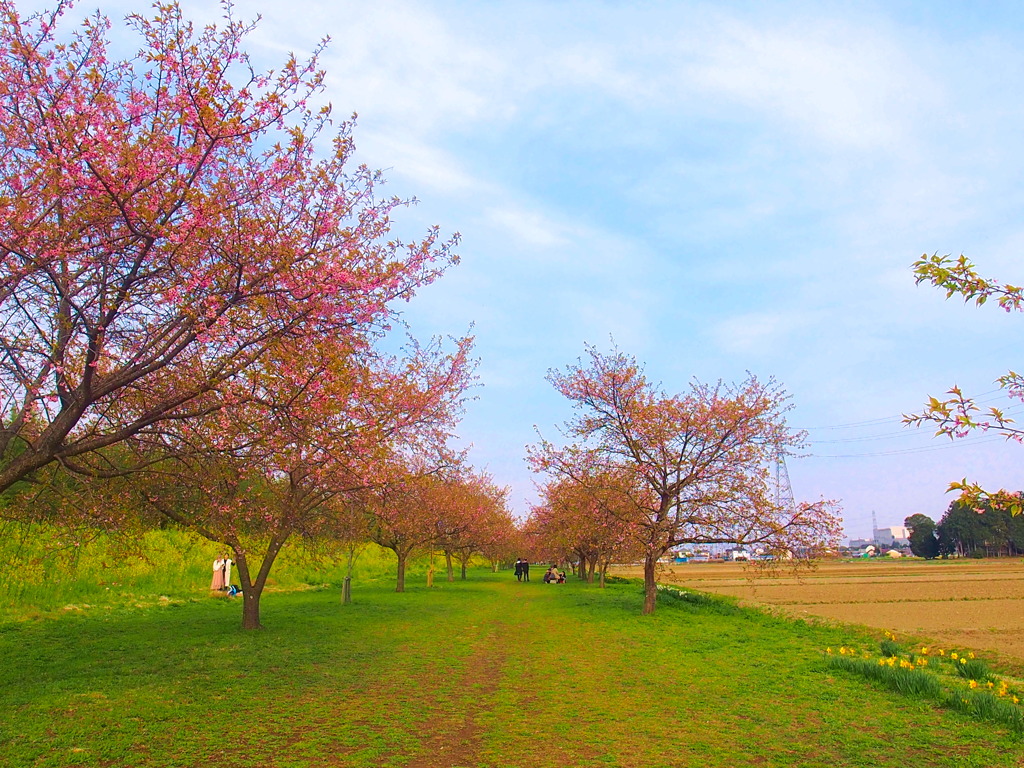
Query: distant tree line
x=967 y=530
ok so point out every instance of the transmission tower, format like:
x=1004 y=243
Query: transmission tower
x=783 y=488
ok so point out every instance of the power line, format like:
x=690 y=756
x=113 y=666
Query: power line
x=903 y=451
x=887 y=419
x=908 y=431
x=898 y=419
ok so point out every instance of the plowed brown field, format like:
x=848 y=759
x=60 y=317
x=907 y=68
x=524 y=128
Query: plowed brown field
x=975 y=604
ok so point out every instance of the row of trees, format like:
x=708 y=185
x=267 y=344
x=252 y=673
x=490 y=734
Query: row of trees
x=966 y=530
x=458 y=513
x=194 y=292
x=195 y=285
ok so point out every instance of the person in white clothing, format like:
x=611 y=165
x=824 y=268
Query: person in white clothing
x=228 y=562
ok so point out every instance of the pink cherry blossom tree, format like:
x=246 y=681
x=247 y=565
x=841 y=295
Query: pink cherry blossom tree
x=475 y=520
x=294 y=459
x=166 y=220
x=587 y=519
x=403 y=510
x=688 y=468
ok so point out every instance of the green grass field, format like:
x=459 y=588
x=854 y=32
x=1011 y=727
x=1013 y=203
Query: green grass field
x=487 y=672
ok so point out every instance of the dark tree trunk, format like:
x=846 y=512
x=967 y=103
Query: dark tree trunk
x=591 y=569
x=251 y=608
x=463 y=571
x=346 y=587
x=448 y=564
x=401 y=571
x=252 y=590
x=650 y=588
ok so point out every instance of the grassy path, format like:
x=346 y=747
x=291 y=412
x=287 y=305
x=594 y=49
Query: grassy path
x=485 y=673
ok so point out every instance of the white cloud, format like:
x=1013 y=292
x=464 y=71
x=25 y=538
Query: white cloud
x=839 y=81
x=763 y=333
x=426 y=165
x=402 y=63
x=528 y=227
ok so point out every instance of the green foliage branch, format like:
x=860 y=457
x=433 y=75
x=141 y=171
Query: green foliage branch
x=958 y=415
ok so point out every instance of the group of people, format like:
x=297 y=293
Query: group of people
x=522 y=569
x=551 y=576
x=554 y=576
x=222 y=575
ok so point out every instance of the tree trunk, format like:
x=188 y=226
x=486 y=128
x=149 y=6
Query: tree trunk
x=346 y=587
x=650 y=588
x=401 y=571
x=463 y=571
x=253 y=590
x=251 y=607
x=448 y=563
x=591 y=569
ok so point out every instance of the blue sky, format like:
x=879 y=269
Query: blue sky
x=721 y=187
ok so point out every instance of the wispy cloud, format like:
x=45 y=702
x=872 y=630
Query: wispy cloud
x=528 y=227
x=833 y=80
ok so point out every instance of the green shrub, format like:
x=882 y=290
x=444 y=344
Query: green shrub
x=971 y=669
x=715 y=603
x=939 y=679
x=986 y=706
x=907 y=681
x=616 y=580
x=890 y=647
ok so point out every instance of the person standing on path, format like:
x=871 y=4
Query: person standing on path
x=519 y=569
x=526 y=569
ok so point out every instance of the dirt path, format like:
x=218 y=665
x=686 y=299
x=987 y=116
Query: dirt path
x=454 y=733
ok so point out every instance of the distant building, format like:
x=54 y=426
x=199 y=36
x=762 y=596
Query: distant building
x=738 y=553
x=893 y=536
x=860 y=543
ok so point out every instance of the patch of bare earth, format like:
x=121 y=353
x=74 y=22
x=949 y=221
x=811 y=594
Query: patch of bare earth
x=964 y=603
x=453 y=737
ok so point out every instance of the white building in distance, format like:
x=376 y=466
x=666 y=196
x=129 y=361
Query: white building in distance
x=893 y=536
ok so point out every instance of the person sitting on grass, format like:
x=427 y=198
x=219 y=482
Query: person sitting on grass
x=552 y=574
